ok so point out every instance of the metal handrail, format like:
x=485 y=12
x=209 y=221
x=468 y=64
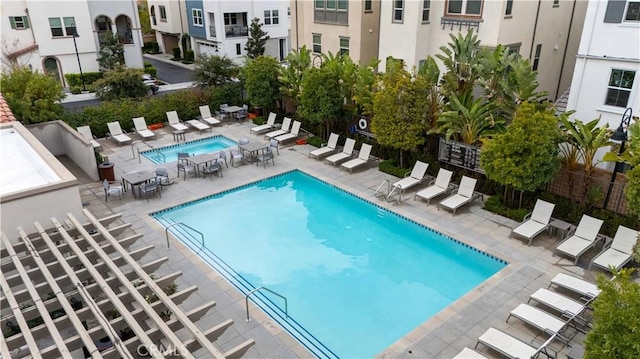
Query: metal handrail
x=246 y=301
x=143 y=144
x=166 y=233
x=379 y=187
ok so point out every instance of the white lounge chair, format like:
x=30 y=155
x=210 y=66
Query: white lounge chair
x=345 y=154
x=558 y=302
x=506 y=345
x=271 y=120
x=619 y=251
x=585 y=237
x=85 y=131
x=416 y=176
x=292 y=135
x=115 y=131
x=330 y=148
x=466 y=193
x=284 y=129
x=141 y=128
x=582 y=287
x=541 y=320
x=535 y=222
x=364 y=156
x=467 y=353
x=200 y=126
x=205 y=116
x=174 y=121
x=440 y=186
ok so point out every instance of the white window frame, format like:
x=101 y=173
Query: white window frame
x=620 y=88
x=56 y=26
x=69 y=22
x=426 y=10
x=271 y=17
x=196 y=16
x=626 y=12
x=463 y=9
x=318 y=44
x=344 y=50
x=398 y=9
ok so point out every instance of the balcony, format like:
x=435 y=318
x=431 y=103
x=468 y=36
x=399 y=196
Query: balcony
x=236 y=31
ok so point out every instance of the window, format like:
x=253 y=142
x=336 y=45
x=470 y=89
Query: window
x=271 y=17
x=288 y=10
x=536 y=58
x=70 y=26
x=556 y=3
x=344 y=45
x=163 y=13
x=230 y=18
x=509 y=9
x=398 y=10
x=19 y=22
x=331 y=11
x=464 y=7
x=426 y=7
x=421 y=64
x=56 y=27
x=196 y=14
x=368 y=5
x=619 y=88
x=513 y=49
x=238 y=49
x=153 y=15
x=633 y=11
x=317 y=43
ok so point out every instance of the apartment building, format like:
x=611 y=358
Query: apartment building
x=606 y=79
x=64 y=37
x=170 y=22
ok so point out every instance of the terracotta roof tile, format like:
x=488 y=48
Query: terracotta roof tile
x=6 y=115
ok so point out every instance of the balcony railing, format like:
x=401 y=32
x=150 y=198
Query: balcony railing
x=236 y=31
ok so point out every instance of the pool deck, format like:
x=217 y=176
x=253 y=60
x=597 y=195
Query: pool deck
x=442 y=336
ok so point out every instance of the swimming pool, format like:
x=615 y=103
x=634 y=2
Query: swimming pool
x=205 y=145
x=356 y=276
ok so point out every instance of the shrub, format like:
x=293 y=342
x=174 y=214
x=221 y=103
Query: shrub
x=189 y=56
x=259 y=120
x=76 y=90
x=74 y=80
x=315 y=141
x=390 y=167
x=151 y=71
x=176 y=53
x=156 y=48
x=494 y=204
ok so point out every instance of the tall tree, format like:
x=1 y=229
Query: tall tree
x=145 y=21
x=525 y=157
x=261 y=82
x=111 y=54
x=462 y=63
x=399 y=109
x=214 y=70
x=588 y=138
x=364 y=84
x=32 y=96
x=257 y=39
x=318 y=101
x=121 y=83
x=291 y=76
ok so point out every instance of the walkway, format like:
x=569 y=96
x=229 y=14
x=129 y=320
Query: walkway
x=442 y=336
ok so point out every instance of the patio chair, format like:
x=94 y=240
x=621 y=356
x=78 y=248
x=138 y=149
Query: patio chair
x=174 y=121
x=292 y=135
x=416 y=176
x=200 y=126
x=618 y=252
x=535 y=222
x=205 y=116
x=271 y=120
x=85 y=131
x=584 y=238
x=511 y=347
x=274 y=145
x=558 y=302
x=162 y=177
x=148 y=189
x=183 y=157
x=115 y=132
x=542 y=320
x=185 y=169
x=364 y=156
x=466 y=193
x=330 y=148
x=236 y=157
x=265 y=157
x=223 y=157
x=111 y=189
x=580 y=286
x=440 y=186
x=284 y=129
x=242 y=115
x=467 y=353
x=214 y=168
x=141 y=128
x=345 y=154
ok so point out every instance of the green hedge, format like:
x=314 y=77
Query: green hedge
x=74 y=80
x=315 y=141
x=494 y=204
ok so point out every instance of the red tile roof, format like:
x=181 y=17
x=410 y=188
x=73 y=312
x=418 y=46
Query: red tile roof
x=5 y=112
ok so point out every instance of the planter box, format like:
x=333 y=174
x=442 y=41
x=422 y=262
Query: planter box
x=301 y=142
x=156 y=126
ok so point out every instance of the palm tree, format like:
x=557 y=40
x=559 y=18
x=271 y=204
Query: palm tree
x=462 y=62
x=290 y=77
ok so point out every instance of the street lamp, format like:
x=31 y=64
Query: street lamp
x=619 y=136
x=75 y=45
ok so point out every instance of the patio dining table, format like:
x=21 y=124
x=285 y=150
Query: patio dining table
x=135 y=179
x=230 y=110
x=252 y=148
x=202 y=159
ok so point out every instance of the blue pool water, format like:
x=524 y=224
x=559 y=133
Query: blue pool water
x=205 y=145
x=356 y=276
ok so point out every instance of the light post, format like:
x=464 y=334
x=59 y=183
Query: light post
x=75 y=45
x=619 y=136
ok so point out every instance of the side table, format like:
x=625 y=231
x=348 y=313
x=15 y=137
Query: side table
x=556 y=225
x=179 y=136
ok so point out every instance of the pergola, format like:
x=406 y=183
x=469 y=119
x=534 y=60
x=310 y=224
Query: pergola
x=77 y=286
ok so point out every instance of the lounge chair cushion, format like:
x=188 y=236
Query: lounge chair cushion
x=620 y=251
x=271 y=120
x=557 y=301
x=577 y=285
x=199 y=125
x=538 y=318
x=506 y=344
x=293 y=134
x=440 y=186
x=284 y=129
x=347 y=152
x=583 y=238
x=363 y=158
x=331 y=147
x=467 y=353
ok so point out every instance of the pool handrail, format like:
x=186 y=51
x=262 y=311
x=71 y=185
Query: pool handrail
x=141 y=143
x=246 y=301
x=166 y=233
